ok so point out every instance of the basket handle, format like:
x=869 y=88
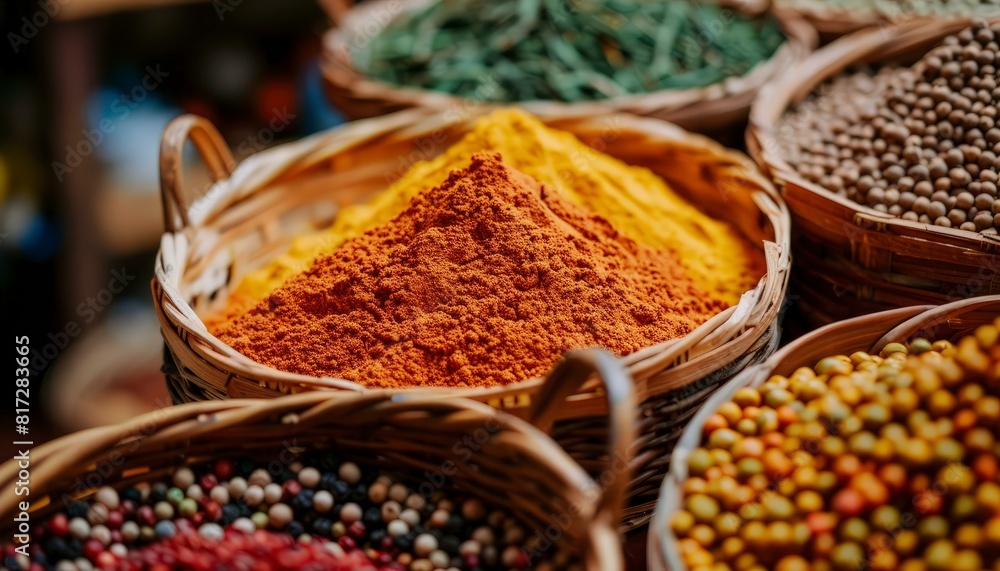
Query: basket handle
x=565 y=380
x=213 y=150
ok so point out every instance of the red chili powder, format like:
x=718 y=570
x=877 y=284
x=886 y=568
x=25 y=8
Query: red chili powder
x=484 y=280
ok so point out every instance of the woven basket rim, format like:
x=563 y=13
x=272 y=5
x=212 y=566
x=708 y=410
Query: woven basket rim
x=838 y=21
x=866 y=46
x=256 y=171
x=175 y=428
x=801 y=38
x=895 y=325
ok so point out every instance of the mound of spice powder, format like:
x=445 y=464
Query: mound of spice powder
x=483 y=280
x=634 y=199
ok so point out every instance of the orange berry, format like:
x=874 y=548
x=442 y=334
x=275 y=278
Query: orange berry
x=786 y=415
x=846 y=466
x=985 y=466
x=821 y=522
x=894 y=476
x=773 y=439
x=715 y=422
x=848 y=502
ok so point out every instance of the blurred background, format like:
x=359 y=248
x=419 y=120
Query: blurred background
x=86 y=88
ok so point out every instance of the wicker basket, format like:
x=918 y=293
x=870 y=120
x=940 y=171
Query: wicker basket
x=868 y=333
x=516 y=466
x=851 y=259
x=833 y=22
x=711 y=109
x=246 y=219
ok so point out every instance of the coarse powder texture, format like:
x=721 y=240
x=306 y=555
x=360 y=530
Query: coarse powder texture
x=484 y=280
x=634 y=199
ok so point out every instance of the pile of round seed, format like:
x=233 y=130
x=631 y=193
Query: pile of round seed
x=313 y=512
x=920 y=143
x=878 y=462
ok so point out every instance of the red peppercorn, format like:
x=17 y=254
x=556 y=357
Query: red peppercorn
x=356 y=530
x=291 y=489
x=472 y=560
x=115 y=520
x=387 y=543
x=523 y=560
x=213 y=511
x=92 y=548
x=106 y=559
x=145 y=515
x=128 y=507
x=59 y=525
x=207 y=482
x=347 y=543
x=224 y=469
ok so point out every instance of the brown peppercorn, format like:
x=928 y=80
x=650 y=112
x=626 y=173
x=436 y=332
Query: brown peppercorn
x=907 y=199
x=895 y=172
x=940 y=196
x=959 y=178
x=937 y=168
x=983 y=220
x=876 y=196
x=964 y=201
x=891 y=197
x=919 y=173
x=937 y=210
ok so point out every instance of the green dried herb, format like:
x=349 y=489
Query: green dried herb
x=569 y=50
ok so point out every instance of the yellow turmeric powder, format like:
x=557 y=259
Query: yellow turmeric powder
x=636 y=201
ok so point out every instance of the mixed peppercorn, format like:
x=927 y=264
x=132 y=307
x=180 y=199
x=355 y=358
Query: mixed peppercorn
x=884 y=462
x=317 y=514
